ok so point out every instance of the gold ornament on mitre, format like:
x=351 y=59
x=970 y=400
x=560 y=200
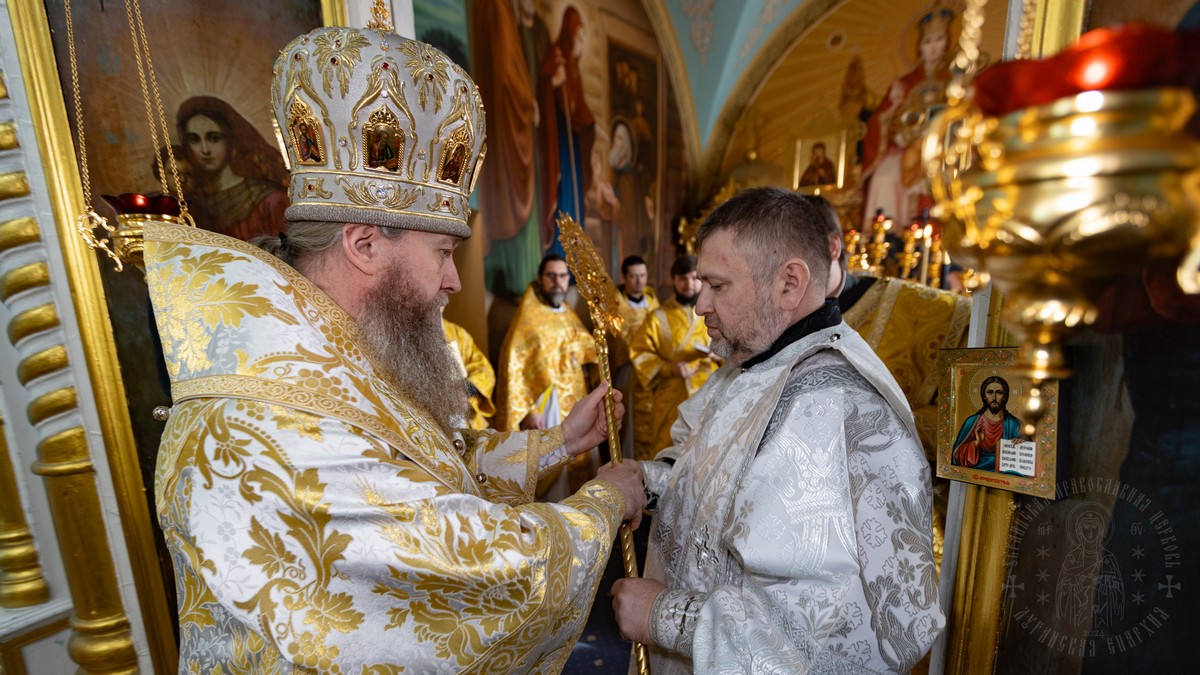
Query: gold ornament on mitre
x=379 y=129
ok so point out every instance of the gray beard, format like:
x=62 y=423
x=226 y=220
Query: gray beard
x=722 y=348
x=555 y=300
x=407 y=345
x=762 y=334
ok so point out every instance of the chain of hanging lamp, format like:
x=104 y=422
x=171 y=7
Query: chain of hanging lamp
x=89 y=221
x=967 y=61
x=141 y=51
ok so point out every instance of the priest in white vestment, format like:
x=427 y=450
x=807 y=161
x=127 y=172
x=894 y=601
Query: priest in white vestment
x=793 y=531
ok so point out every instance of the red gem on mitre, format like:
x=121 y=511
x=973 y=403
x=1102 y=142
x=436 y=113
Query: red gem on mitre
x=333 y=60
x=385 y=66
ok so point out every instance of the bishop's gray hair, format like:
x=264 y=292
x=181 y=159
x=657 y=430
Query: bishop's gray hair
x=306 y=241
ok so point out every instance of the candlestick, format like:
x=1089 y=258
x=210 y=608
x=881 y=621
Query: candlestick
x=879 y=246
x=926 y=255
x=937 y=259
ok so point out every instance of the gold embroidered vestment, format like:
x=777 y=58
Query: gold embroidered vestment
x=545 y=347
x=478 y=371
x=671 y=334
x=320 y=522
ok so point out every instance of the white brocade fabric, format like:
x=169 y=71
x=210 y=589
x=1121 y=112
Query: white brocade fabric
x=794 y=530
x=319 y=521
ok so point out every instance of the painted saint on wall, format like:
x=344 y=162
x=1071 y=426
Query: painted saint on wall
x=239 y=177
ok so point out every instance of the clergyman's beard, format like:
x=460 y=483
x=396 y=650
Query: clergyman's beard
x=687 y=300
x=407 y=345
x=757 y=337
x=553 y=298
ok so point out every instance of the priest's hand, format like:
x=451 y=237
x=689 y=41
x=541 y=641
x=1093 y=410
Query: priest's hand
x=533 y=421
x=627 y=476
x=632 y=599
x=684 y=369
x=585 y=427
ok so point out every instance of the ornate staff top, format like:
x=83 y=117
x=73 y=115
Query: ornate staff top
x=604 y=304
x=594 y=283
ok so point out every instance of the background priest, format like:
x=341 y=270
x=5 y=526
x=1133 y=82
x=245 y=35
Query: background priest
x=672 y=358
x=542 y=367
x=637 y=301
x=474 y=365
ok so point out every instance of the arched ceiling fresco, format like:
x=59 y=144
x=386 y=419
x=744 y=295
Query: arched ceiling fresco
x=785 y=62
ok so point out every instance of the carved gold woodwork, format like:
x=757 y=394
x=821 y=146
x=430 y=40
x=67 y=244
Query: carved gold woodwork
x=102 y=641
x=8 y=136
x=21 y=581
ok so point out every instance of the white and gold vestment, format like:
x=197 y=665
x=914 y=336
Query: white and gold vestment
x=908 y=325
x=320 y=522
x=793 y=533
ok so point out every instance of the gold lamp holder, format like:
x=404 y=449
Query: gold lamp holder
x=1055 y=201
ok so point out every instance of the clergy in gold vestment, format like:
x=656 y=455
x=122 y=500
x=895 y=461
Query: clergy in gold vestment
x=637 y=298
x=542 y=359
x=322 y=510
x=637 y=301
x=672 y=359
x=541 y=366
x=481 y=378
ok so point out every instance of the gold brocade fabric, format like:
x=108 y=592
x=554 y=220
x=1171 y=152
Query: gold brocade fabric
x=907 y=325
x=633 y=317
x=320 y=522
x=544 y=348
x=640 y=403
x=673 y=333
x=478 y=371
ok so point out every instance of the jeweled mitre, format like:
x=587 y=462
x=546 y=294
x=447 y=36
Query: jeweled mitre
x=379 y=129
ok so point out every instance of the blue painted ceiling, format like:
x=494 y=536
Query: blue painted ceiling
x=718 y=40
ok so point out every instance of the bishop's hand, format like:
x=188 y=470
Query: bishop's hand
x=585 y=427
x=627 y=477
